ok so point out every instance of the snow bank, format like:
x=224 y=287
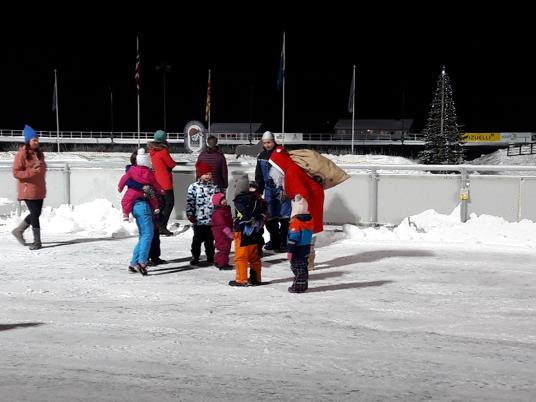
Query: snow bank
x=97 y=218
x=431 y=226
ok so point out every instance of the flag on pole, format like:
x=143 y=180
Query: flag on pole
x=55 y=94
x=207 y=106
x=351 y=98
x=137 y=75
x=281 y=77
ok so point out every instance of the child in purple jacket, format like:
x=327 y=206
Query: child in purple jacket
x=222 y=230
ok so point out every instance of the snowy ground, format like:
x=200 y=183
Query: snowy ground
x=431 y=310
x=404 y=314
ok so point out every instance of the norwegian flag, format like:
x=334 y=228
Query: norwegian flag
x=137 y=76
x=207 y=106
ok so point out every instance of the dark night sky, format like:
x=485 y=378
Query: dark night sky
x=398 y=62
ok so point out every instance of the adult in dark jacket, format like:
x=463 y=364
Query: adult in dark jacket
x=278 y=203
x=163 y=165
x=215 y=158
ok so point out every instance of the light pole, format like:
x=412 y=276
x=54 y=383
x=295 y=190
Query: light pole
x=250 y=136
x=164 y=68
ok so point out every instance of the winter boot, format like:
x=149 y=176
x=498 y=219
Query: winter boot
x=239 y=284
x=253 y=281
x=18 y=232
x=36 y=245
x=142 y=269
x=268 y=246
x=166 y=232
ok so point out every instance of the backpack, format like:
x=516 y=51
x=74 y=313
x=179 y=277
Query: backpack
x=319 y=168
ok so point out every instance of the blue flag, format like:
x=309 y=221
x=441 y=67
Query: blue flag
x=281 y=77
x=351 y=98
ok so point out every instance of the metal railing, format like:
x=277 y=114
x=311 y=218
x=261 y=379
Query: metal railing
x=145 y=135
x=224 y=138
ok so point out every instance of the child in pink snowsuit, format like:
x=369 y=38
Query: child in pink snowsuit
x=222 y=223
x=143 y=175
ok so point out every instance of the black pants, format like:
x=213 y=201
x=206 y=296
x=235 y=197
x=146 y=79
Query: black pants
x=169 y=199
x=35 y=207
x=203 y=234
x=278 y=229
x=283 y=230
x=301 y=275
x=154 y=252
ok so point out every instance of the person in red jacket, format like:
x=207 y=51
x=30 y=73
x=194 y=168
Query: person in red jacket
x=296 y=181
x=29 y=168
x=163 y=165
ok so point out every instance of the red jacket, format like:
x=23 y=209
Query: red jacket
x=162 y=164
x=31 y=184
x=298 y=182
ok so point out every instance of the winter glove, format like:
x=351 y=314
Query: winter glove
x=289 y=256
x=149 y=191
x=192 y=219
x=248 y=229
x=125 y=218
x=228 y=232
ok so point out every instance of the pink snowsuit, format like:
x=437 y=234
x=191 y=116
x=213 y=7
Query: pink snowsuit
x=222 y=223
x=142 y=175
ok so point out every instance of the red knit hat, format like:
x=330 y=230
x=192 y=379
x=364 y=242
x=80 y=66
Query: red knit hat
x=201 y=168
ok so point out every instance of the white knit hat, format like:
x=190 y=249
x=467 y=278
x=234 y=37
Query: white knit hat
x=267 y=136
x=143 y=159
x=299 y=206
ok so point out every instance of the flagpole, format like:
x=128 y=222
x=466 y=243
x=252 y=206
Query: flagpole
x=57 y=109
x=209 y=97
x=353 y=109
x=283 y=103
x=138 y=91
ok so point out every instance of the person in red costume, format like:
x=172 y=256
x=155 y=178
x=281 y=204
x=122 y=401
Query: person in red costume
x=296 y=181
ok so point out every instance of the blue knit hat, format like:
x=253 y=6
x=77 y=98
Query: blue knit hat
x=29 y=133
x=160 y=136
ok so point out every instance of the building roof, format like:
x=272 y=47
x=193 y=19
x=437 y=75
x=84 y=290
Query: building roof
x=235 y=128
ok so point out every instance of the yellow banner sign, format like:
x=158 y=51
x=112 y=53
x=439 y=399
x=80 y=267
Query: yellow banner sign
x=482 y=137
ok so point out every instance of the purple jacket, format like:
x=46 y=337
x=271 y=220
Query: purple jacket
x=222 y=220
x=214 y=157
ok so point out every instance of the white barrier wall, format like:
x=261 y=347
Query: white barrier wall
x=348 y=202
x=399 y=195
x=405 y=195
